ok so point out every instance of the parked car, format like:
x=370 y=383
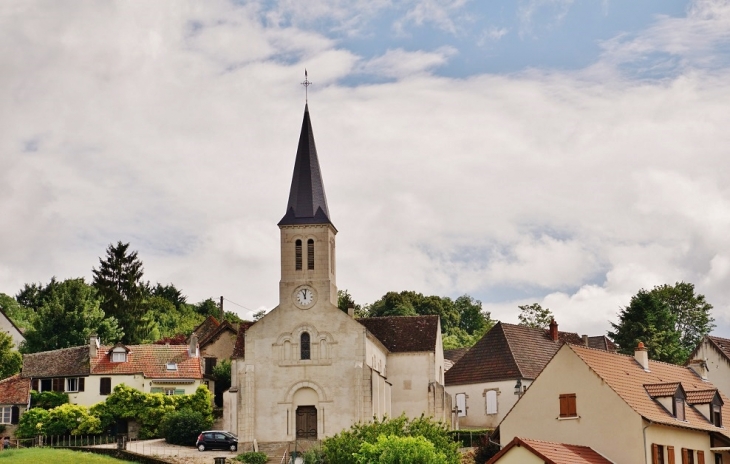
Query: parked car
x=216 y=439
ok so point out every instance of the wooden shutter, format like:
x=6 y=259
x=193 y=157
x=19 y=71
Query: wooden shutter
x=105 y=385
x=700 y=457
x=685 y=456
x=179 y=391
x=670 y=455
x=14 y=415
x=34 y=384
x=157 y=390
x=82 y=382
x=567 y=405
x=57 y=385
x=654 y=453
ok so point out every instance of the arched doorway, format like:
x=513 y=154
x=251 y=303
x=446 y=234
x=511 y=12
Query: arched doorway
x=306 y=401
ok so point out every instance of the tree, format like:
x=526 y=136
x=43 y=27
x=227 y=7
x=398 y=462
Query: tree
x=691 y=312
x=208 y=308
x=259 y=314
x=472 y=319
x=535 y=316
x=119 y=283
x=10 y=360
x=345 y=301
x=647 y=319
x=20 y=315
x=170 y=293
x=70 y=312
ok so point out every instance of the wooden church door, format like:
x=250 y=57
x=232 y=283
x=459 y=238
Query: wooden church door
x=306 y=423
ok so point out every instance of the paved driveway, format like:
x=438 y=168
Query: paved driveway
x=176 y=454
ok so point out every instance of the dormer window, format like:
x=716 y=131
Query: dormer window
x=171 y=366
x=717 y=415
x=678 y=409
x=119 y=355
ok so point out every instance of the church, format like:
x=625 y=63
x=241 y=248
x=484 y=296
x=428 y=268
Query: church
x=307 y=370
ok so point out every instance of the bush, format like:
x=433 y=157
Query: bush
x=183 y=427
x=71 y=419
x=313 y=456
x=485 y=451
x=32 y=423
x=342 y=447
x=400 y=450
x=253 y=457
x=47 y=399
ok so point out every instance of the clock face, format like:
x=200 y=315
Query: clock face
x=305 y=297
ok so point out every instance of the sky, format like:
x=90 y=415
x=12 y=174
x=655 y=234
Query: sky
x=564 y=152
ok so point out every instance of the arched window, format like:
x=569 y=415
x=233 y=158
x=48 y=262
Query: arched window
x=304 y=345
x=298 y=253
x=310 y=254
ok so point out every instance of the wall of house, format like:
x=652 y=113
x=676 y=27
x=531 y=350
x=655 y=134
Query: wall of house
x=273 y=381
x=7 y=327
x=410 y=375
x=476 y=402
x=91 y=395
x=717 y=365
x=680 y=438
x=604 y=419
x=519 y=455
x=10 y=428
x=221 y=347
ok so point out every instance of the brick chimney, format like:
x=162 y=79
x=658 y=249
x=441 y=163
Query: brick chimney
x=351 y=310
x=700 y=368
x=93 y=345
x=642 y=356
x=553 y=330
x=193 y=347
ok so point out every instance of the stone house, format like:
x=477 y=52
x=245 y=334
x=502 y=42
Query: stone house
x=9 y=327
x=627 y=408
x=527 y=451
x=14 y=400
x=307 y=369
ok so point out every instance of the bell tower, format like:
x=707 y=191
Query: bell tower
x=307 y=233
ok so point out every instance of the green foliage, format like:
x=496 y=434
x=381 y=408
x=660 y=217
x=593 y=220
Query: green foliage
x=535 y=316
x=32 y=423
x=463 y=321
x=71 y=419
x=69 y=312
x=149 y=409
x=342 y=447
x=345 y=301
x=183 y=427
x=399 y=450
x=485 y=452
x=313 y=456
x=691 y=313
x=119 y=282
x=20 y=315
x=648 y=319
x=10 y=360
x=47 y=399
x=252 y=457
x=259 y=314
x=208 y=308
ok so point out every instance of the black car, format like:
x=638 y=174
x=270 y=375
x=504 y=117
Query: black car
x=216 y=439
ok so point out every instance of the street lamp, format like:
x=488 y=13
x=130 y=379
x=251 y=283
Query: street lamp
x=518 y=388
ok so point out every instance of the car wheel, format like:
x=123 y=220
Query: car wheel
x=234 y=447
x=201 y=447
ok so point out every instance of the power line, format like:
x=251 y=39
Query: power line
x=233 y=302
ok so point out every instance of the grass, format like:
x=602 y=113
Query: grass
x=56 y=456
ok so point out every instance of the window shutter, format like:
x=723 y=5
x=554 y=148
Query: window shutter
x=654 y=454
x=105 y=385
x=670 y=454
x=571 y=406
x=685 y=456
x=82 y=381
x=563 y=405
x=179 y=391
x=14 y=415
x=156 y=390
x=58 y=385
x=700 y=457
x=34 y=384
x=567 y=405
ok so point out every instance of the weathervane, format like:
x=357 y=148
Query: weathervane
x=306 y=84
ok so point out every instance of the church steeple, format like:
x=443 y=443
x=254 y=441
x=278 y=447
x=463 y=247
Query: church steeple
x=307 y=200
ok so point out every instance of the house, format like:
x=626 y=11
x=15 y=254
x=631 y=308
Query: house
x=452 y=356
x=14 y=400
x=307 y=370
x=489 y=378
x=527 y=451
x=89 y=373
x=627 y=408
x=714 y=352
x=216 y=341
x=9 y=327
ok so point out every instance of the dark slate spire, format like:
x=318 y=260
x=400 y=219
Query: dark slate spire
x=307 y=201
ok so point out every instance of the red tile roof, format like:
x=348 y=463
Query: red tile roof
x=658 y=390
x=14 y=390
x=403 y=334
x=506 y=352
x=701 y=396
x=150 y=360
x=628 y=379
x=554 y=453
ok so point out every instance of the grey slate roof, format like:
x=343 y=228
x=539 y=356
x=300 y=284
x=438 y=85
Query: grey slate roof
x=57 y=363
x=307 y=200
x=404 y=334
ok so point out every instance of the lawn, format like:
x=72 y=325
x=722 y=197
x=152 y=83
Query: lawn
x=56 y=456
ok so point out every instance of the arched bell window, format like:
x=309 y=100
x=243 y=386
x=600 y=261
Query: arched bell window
x=310 y=254
x=298 y=254
x=304 y=345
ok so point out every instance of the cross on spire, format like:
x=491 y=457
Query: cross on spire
x=306 y=85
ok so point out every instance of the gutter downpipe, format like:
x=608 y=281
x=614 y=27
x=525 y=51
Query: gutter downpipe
x=643 y=432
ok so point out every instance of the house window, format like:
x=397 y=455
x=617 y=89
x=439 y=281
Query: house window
x=119 y=356
x=75 y=384
x=688 y=456
x=171 y=366
x=105 y=385
x=304 y=339
x=567 y=405
x=657 y=454
x=5 y=414
x=461 y=404
x=678 y=408
x=491 y=401
x=310 y=254
x=717 y=415
x=718 y=458
x=209 y=365
x=298 y=254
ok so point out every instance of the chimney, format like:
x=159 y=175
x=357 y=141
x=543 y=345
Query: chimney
x=351 y=310
x=193 y=347
x=553 y=330
x=585 y=340
x=700 y=368
x=642 y=356
x=93 y=345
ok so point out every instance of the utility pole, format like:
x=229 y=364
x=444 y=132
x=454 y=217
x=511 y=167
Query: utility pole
x=223 y=314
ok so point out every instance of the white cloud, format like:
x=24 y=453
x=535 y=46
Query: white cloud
x=400 y=63
x=528 y=10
